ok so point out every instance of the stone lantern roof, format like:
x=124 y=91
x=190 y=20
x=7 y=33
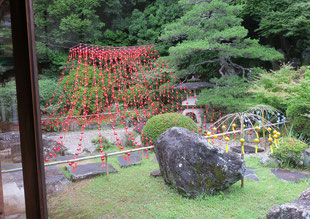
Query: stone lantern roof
x=193 y=84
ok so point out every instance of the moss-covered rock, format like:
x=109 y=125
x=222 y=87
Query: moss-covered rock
x=190 y=165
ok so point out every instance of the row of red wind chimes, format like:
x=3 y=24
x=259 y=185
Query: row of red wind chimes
x=106 y=78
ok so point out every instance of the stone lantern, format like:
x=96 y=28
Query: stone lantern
x=190 y=107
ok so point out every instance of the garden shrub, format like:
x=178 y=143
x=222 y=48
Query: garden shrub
x=289 y=91
x=47 y=87
x=106 y=144
x=160 y=123
x=289 y=152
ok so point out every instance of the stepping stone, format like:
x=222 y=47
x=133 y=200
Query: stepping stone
x=131 y=160
x=289 y=175
x=247 y=149
x=155 y=173
x=249 y=174
x=13 y=188
x=89 y=170
x=140 y=153
x=55 y=180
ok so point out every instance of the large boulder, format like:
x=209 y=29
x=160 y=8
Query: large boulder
x=194 y=168
x=298 y=209
x=305 y=195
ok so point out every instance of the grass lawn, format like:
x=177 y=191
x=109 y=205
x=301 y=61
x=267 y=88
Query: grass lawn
x=132 y=193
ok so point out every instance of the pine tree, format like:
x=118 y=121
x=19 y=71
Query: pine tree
x=214 y=29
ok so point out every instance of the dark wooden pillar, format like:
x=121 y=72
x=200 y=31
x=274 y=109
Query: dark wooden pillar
x=25 y=63
x=1 y=196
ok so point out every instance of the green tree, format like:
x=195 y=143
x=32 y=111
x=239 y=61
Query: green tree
x=68 y=21
x=282 y=24
x=214 y=29
x=289 y=91
x=228 y=96
x=61 y=24
x=146 y=26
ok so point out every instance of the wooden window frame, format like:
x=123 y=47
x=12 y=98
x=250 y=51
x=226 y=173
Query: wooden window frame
x=26 y=74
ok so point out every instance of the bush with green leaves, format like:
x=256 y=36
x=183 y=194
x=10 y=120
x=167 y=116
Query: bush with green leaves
x=160 y=123
x=289 y=91
x=47 y=86
x=106 y=144
x=289 y=152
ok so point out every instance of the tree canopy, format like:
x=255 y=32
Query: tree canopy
x=214 y=28
x=282 y=24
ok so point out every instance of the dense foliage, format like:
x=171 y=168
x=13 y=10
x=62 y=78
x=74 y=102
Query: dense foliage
x=289 y=152
x=210 y=38
x=230 y=95
x=160 y=123
x=219 y=34
x=48 y=94
x=287 y=90
x=282 y=24
x=61 y=24
x=214 y=29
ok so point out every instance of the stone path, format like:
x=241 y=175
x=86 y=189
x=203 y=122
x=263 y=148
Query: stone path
x=289 y=175
x=125 y=161
x=13 y=188
x=89 y=170
x=13 y=195
x=55 y=180
x=71 y=140
x=141 y=154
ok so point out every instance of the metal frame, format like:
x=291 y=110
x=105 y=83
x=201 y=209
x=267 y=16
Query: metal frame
x=25 y=63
